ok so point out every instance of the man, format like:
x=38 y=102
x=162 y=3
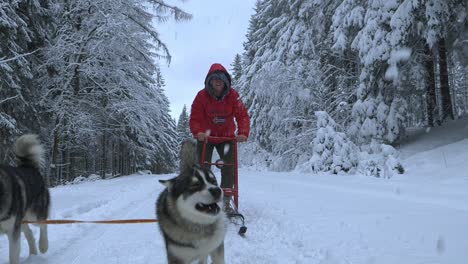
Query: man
x=214 y=111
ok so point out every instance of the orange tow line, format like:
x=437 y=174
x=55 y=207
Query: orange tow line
x=65 y=222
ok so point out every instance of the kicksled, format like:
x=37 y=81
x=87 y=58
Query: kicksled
x=235 y=217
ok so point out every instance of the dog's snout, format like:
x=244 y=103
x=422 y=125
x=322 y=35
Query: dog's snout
x=216 y=192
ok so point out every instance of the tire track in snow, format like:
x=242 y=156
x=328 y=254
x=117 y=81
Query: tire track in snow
x=73 y=243
x=89 y=244
x=265 y=232
x=396 y=195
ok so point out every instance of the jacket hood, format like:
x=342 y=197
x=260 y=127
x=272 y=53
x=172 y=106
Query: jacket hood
x=217 y=70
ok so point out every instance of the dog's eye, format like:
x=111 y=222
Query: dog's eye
x=212 y=181
x=195 y=185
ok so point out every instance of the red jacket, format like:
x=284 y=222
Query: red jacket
x=217 y=114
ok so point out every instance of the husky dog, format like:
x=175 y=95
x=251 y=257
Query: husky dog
x=190 y=218
x=24 y=196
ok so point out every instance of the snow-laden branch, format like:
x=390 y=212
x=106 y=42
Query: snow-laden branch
x=178 y=13
x=8 y=99
x=3 y=60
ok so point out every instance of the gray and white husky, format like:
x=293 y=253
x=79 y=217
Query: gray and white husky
x=24 y=196
x=190 y=218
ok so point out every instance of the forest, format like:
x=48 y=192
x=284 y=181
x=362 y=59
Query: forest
x=330 y=85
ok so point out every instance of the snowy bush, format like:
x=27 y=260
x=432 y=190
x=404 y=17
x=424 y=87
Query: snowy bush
x=94 y=177
x=82 y=179
x=77 y=180
x=380 y=160
x=332 y=150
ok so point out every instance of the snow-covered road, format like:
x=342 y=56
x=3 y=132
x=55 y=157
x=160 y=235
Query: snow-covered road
x=292 y=218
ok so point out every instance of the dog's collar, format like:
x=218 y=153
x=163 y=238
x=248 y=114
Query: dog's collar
x=179 y=244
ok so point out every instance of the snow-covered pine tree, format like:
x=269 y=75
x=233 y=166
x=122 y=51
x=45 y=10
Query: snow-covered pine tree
x=236 y=70
x=10 y=24
x=380 y=160
x=371 y=118
x=369 y=29
x=409 y=36
x=282 y=80
x=24 y=28
x=371 y=55
x=183 y=128
x=164 y=151
x=103 y=84
x=332 y=150
x=433 y=29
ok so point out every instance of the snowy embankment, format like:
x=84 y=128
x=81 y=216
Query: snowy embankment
x=418 y=217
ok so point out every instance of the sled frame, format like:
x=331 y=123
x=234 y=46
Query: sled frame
x=234 y=191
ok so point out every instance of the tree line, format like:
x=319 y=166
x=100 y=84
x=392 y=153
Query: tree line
x=85 y=76
x=376 y=68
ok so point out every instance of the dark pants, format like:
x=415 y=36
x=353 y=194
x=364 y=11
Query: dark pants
x=227 y=172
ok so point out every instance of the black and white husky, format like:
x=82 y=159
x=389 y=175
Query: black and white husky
x=190 y=218
x=24 y=196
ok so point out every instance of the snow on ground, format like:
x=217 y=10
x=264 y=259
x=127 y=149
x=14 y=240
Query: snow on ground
x=415 y=218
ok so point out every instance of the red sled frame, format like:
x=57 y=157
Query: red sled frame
x=234 y=191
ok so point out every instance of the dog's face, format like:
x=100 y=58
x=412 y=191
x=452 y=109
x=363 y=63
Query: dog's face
x=196 y=194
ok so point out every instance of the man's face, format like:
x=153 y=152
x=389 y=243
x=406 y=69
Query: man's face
x=218 y=86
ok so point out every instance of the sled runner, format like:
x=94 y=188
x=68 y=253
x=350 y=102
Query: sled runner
x=236 y=217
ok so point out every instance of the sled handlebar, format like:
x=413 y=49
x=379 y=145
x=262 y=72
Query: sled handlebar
x=222 y=138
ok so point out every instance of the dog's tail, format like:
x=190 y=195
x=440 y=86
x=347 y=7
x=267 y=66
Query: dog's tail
x=188 y=154
x=29 y=152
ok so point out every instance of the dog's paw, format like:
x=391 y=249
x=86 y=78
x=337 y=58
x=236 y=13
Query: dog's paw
x=32 y=251
x=43 y=245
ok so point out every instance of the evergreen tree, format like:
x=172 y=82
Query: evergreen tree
x=101 y=82
x=236 y=70
x=332 y=150
x=282 y=80
x=24 y=29
x=83 y=75
x=183 y=128
x=371 y=65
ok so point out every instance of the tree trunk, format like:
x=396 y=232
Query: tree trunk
x=120 y=155
x=431 y=87
x=73 y=165
x=452 y=75
x=112 y=158
x=124 y=164
x=447 y=109
x=466 y=89
x=55 y=153
x=104 y=155
x=86 y=164
x=66 y=163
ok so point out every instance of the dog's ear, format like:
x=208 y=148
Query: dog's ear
x=167 y=183
x=198 y=170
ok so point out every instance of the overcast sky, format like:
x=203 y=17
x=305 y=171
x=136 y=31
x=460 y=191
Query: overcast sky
x=214 y=35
